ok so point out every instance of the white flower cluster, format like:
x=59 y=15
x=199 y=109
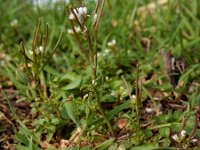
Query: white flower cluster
x=78 y=29
x=120 y=92
x=80 y=13
x=38 y=50
x=182 y=136
x=112 y=43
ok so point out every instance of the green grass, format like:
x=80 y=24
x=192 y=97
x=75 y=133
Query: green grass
x=116 y=107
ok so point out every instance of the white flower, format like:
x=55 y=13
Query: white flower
x=31 y=52
x=78 y=29
x=14 y=23
x=70 y=31
x=81 y=14
x=175 y=137
x=114 y=93
x=148 y=110
x=67 y=1
x=194 y=140
x=71 y=16
x=94 y=19
x=183 y=133
x=112 y=43
x=133 y=97
x=38 y=50
x=96 y=1
x=82 y=11
x=85 y=96
x=94 y=82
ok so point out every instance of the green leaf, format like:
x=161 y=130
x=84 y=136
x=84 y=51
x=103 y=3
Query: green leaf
x=112 y=113
x=164 y=132
x=21 y=138
x=118 y=109
x=74 y=84
x=105 y=144
x=165 y=142
x=50 y=70
x=70 y=111
x=150 y=147
x=20 y=147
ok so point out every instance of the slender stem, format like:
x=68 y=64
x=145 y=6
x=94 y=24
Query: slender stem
x=99 y=19
x=92 y=54
x=137 y=102
x=102 y=112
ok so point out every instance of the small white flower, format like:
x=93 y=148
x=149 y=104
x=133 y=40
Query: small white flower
x=133 y=96
x=14 y=23
x=85 y=96
x=31 y=52
x=82 y=11
x=194 y=140
x=71 y=16
x=113 y=93
x=107 y=51
x=183 y=133
x=94 y=82
x=148 y=110
x=78 y=29
x=96 y=1
x=175 y=137
x=69 y=31
x=122 y=89
x=81 y=14
x=94 y=19
x=112 y=43
x=39 y=49
x=67 y=2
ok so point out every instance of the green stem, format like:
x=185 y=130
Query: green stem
x=102 y=112
x=138 y=103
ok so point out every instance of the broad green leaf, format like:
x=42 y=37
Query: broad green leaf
x=70 y=111
x=21 y=138
x=164 y=132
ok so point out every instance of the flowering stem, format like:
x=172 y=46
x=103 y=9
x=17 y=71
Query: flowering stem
x=74 y=31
